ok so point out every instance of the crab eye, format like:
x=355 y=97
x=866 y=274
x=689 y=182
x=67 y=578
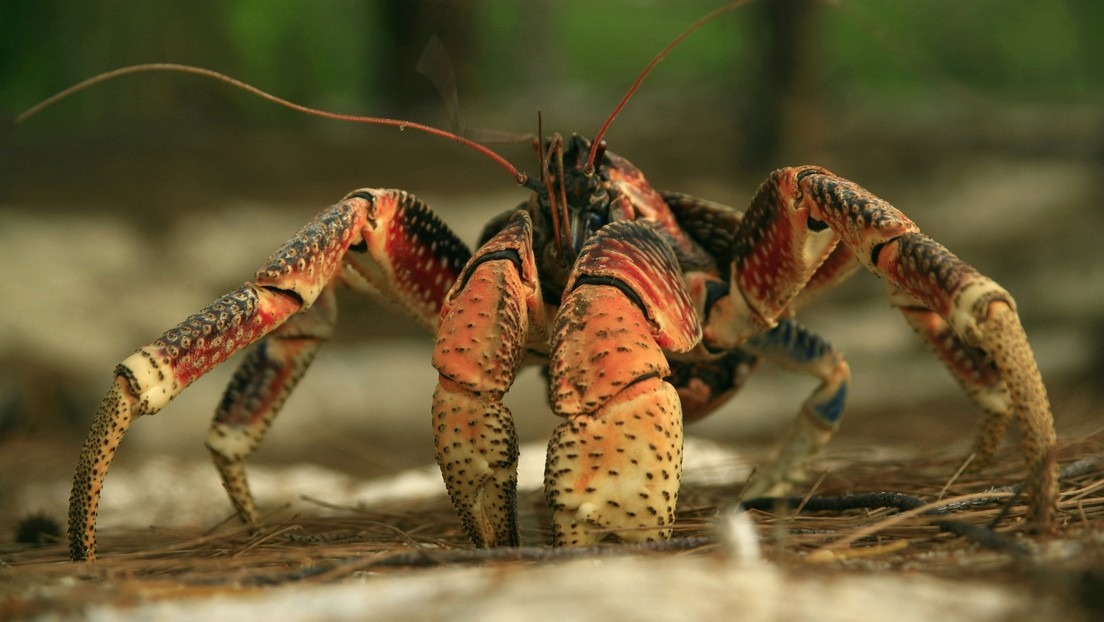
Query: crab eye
x=583 y=227
x=594 y=222
x=600 y=151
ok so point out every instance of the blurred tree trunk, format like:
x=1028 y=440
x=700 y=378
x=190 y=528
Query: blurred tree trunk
x=540 y=62
x=1089 y=14
x=783 y=120
x=407 y=27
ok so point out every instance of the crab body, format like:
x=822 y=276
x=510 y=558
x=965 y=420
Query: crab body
x=648 y=310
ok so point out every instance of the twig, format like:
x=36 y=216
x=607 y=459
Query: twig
x=958 y=473
x=421 y=557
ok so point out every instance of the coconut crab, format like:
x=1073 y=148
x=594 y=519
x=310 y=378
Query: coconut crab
x=649 y=309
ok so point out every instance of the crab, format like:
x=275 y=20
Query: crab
x=647 y=309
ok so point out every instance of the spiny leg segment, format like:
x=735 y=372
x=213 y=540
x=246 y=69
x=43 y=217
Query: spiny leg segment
x=797 y=348
x=262 y=383
x=981 y=314
x=391 y=244
x=148 y=379
x=789 y=238
x=769 y=255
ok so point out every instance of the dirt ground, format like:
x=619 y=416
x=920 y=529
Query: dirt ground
x=107 y=243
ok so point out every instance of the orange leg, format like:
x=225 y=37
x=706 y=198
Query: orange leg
x=614 y=467
x=805 y=230
x=148 y=379
x=257 y=392
x=938 y=291
x=387 y=237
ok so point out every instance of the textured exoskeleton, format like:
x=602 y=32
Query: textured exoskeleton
x=648 y=309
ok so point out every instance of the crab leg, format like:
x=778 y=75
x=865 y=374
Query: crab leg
x=971 y=366
x=706 y=383
x=387 y=237
x=786 y=248
x=980 y=313
x=486 y=321
x=614 y=465
x=774 y=254
x=776 y=261
x=796 y=347
x=257 y=392
x=148 y=379
x=408 y=255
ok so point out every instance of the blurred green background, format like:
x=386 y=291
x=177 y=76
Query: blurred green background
x=514 y=58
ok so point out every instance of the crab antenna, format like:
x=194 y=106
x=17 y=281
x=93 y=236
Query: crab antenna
x=643 y=74
x=545 y=182
x=537 y=185
x=540 y=141
x=518 y=176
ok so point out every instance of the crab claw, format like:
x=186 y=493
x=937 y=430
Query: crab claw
x=485 y=323
x=614 y=466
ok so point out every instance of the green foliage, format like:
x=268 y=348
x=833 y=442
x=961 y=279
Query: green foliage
x=1014 y=49
x=328 y=53
x=306 y=55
